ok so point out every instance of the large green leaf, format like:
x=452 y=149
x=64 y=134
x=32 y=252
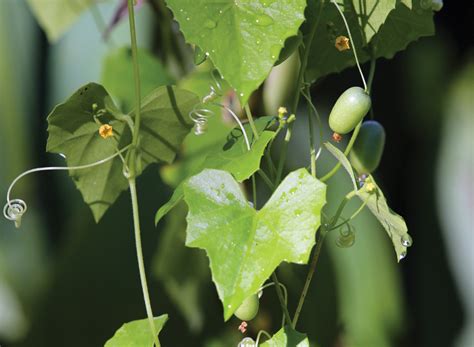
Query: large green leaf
x=73 y=133
x=232 y=155
x=402 y=26
x=242 y=38
x=56 y=16
x=136 y=333
x=393 y=223
x=287 y=337
x=245 y=246
x=117 y=73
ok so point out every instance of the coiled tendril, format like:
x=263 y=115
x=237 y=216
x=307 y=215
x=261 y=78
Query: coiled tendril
x=16 y=208
x=200 y=114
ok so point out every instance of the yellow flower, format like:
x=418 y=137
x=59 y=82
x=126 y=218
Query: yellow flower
x=370 y=187
x=106 y=131
x=342 y=43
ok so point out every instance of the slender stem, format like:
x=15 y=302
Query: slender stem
x=281 y=298
x=346 y=153
x=252 y=123
x=284 y=150
x=304 y=53
x=254 y=191
x=352 y=43
x=136 y=71
x=309 y=277
x=371 y=72
x=314 y=261
x=141 y=264
x=266 y=179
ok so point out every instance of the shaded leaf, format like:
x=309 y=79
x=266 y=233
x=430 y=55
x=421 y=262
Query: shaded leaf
x=243 y=39
x=393 y=223
x=287 y=337
x=74 y=133
x=245 y=246
x=136 y=333
x=118 y=72
x=402 y=26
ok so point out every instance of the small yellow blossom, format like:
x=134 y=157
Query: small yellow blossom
x=342 y=43
x=106 y=131
x=370 y=187
x=282 y=111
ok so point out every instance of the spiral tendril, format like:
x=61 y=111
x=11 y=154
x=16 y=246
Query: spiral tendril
x=200 y=114
x=16 y=208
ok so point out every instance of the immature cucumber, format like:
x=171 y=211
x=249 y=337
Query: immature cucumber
x=349 y=110
x=249 y=308
x=368 y=148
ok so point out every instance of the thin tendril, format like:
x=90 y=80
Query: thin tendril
x=236 y=118
x=260 y=334
x=352 y=43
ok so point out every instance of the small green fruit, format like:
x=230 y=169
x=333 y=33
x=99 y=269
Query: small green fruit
x=368 y=148
x=249 y=308
x=349 y=109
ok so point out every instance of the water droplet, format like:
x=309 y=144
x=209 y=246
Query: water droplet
x=247 y=342
x=275 y=51
x=264 y=20
x=187 y=18
x=62 y=155
x=241 y=94
x=402 y=256
x=229 y=306
x=406 y=240
x=210 y=24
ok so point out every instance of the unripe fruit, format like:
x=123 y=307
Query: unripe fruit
x=248 y=309
x=349 y=109
x=368 y=148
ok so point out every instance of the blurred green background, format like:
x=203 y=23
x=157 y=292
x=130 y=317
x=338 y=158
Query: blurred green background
x=66 y=281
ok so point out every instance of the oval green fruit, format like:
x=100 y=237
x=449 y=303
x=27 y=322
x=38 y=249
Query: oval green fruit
x=349 y=109
x=249 y=308
x=368 y=148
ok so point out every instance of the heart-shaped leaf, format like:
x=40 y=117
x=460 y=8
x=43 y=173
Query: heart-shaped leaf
x=287 y=337
x=242 y=38
x=393 y=223
x=136 y=333
x=74 y=133
x=245 y=246
x=368 y=23
x=232 y=156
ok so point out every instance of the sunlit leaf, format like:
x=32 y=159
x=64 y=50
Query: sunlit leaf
x=232 y=155
x=287 y=337
x=245 y=246
x=393 y=223
x=136 y=333
x=243 y=39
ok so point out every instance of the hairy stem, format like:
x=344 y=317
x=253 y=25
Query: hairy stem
x=141 y=264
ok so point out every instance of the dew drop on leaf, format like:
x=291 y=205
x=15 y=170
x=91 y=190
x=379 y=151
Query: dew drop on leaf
x=210 y=24
x=406 y=240
x=264 y=20
x=402 y=256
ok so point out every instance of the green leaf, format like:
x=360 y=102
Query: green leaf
x=57 y=16
x=118 y=72
x=401 y=27
x=393 y=223
x=336 y=152
x=372 y=14
x=245 y=246
x=74 y=133
x=136 y=333
x=287 y=337
x=232 y=155
x=243 y=39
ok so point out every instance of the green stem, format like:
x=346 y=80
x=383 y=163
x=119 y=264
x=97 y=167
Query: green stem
x=284 y=150
x=254 y=191
x=314 y=261
x=266 y=179
x=281 y=298
x=136 y=71
x=252 y=123
x=309 y=277
x=346 y=153
x=141 y=264
x=132 y=172
x=304 y=60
